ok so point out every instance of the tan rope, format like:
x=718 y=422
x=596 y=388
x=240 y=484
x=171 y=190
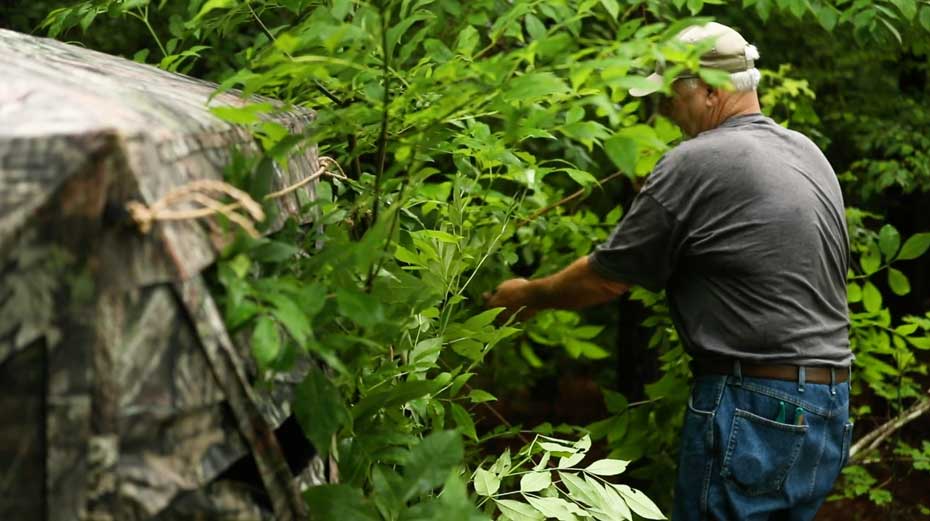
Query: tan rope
x=197 y=192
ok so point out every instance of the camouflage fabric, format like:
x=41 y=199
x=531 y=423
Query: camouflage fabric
x=125 y=397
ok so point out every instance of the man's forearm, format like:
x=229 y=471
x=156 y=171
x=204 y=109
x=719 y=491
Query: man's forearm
x=575 y=287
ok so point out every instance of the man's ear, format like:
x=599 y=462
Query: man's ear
x=712 y=95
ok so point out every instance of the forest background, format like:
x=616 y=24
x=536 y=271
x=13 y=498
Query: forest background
x=485 y=139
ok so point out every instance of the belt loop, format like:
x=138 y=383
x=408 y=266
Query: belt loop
x=738 y=372
x=849 y=377
x=833 y=380
x=801 y=375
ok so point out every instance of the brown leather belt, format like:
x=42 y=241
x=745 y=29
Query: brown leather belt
x=812 y=374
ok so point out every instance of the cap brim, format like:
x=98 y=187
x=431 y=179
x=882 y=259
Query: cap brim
x=655 y=78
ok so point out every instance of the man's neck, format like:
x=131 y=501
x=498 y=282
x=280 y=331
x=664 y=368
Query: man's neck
x=738 y=104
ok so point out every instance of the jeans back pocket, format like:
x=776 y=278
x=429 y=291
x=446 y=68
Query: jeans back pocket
x=760 y=452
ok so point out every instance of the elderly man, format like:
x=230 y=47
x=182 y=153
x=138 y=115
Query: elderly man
x=743 y=225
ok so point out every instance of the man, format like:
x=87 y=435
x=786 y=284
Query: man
x=743 y=225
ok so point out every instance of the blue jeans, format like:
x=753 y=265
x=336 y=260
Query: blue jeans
x=756 y=449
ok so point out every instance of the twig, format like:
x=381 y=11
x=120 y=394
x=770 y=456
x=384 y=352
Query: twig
x=873 y=439
x=569 y=198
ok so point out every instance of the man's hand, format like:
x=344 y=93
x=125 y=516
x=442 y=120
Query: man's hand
x=575 y=287
x=515 y=296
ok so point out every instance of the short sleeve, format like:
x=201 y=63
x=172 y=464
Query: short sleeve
x=642 y=248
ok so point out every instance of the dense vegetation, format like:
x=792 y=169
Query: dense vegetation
x=487 y=138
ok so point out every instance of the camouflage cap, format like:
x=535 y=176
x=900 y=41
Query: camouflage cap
x=731 y=52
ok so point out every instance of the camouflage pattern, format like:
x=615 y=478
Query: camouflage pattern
x=125 y=398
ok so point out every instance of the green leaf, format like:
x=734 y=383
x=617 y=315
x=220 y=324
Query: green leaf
x=211 y=5
x=586 y=132
x=543 y=461
x=623 y=152
x=906 y=329
x=441 y=236
x=360 y=307
x=339 y=503
x=571 y=461
x=579 y=489
x=613 y=8
x=486 y=483
x=581 y=177
x=483 y=319
x=924 y=17
x=387 y=486
x=586 y=349
x=888 y=241
x=266 y=342
x=140 y=55
x=430 y=462
x=479 y=396
x=853 y=292
x=639 y=502
x=554 y=507
x=320 y=409
x=502 y=466
x=341 y=9
x=426 y=352
x=616 y=402
x=871 y=297
x=898 y=282
x=469 y=348
x=467 y=41
x=826 y=16
x=607 y=467
x=764 y=9
x=919 y=342
x=535 y=481
x=392 y=397
x=240 y=265
x=695 y=6
x=293 y=318
x=797 y=7
x=535 y=28
x=394 y=34
x=892 y=29
x=312 y=299
x=463 y=420
x=908 y=8
x=534 y=86
x=871 y=260
x=915 y=246
x=242 y=115
x=557 y=447
x=518 y=511
x=610 y=502
x=404 y=255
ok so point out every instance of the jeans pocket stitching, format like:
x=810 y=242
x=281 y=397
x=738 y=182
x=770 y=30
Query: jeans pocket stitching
x=847 y=441
x=695 y=410
x=777 y=481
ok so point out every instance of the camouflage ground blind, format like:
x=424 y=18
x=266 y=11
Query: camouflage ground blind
x=123 y=397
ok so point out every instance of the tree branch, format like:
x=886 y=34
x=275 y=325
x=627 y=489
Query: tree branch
x=873 y=439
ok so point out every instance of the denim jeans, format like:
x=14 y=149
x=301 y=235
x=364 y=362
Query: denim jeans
x=756 y=449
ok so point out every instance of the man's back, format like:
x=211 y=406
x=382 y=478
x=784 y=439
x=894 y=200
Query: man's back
x=757 y=246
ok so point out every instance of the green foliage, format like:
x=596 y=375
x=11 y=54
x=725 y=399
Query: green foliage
x=857 y=481
x=465 y=129
x=885 y=351
x=559 y=488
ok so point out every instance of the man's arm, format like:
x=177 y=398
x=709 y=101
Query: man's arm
x=575 y=287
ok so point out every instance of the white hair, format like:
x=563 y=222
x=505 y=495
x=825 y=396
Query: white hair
x=746 y=81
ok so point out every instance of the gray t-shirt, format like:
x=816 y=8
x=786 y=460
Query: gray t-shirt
x=744 y=226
